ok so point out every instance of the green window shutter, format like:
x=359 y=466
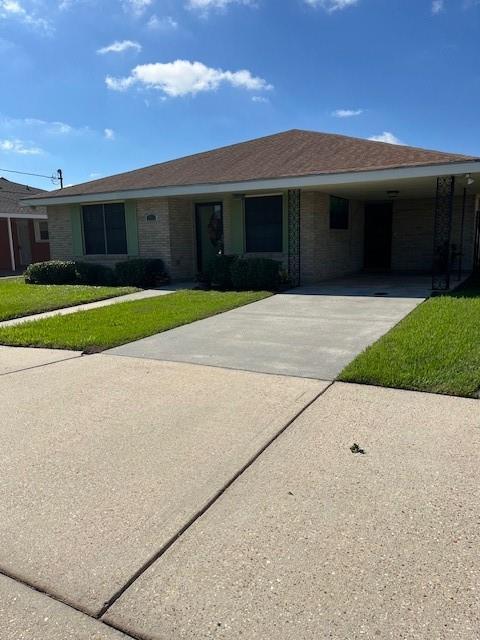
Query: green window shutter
x=131 y=227
x=237 y=226
x=77 y=235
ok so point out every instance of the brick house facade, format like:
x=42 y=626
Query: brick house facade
x=362 y=205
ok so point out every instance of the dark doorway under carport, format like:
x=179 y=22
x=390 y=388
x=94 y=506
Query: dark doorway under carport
x=378 y=236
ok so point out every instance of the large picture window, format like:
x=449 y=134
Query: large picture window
x=264 y=224
x=104 y=229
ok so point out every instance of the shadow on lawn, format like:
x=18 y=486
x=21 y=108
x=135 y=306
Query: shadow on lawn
x=468 y=289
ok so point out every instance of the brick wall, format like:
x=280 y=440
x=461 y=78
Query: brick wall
x=412 y=234
x=325 y=252
x=60 y=231
x=182 y=238
x=154 y=235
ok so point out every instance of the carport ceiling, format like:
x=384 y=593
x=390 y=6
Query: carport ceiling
x=407 y=188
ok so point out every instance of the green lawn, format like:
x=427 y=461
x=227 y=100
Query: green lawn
x=436 y=348
x=18 y=299
x=107 y=327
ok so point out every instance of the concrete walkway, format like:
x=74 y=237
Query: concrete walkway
x=310 y=332
x=153 y=500
x=129 y=297
x=315 y=542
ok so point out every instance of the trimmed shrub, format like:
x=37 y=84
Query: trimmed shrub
x=141 y=272
x=94 y=274
x=218 y=272
x=51 y=272
x=255 y=274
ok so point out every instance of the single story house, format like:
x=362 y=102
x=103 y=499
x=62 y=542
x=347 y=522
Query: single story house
x=23 y=230
x=325 y=205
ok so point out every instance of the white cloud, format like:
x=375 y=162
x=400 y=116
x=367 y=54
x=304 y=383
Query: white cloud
x=386 y=136
x=437 y=6
x=206 y=5
x=332 y=5
x=94 y=176
x=19 y=147
x=13 y=9
x=162 y=24
x=347 y=113
x=182 y=77
x=48 y=127
x=138 y=7
x=260 y=99
x=119 y=46
x=54 y=127
x=109 y=134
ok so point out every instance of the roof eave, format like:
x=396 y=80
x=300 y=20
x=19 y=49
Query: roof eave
x=295 y=182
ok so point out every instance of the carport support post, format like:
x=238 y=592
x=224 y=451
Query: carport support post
x=442 y=233
x=294 y=237
x=10 y=244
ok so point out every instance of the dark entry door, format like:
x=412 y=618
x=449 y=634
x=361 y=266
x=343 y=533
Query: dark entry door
x=378 y=236
x=209 y=226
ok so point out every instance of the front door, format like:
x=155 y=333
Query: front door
x=378 y=236
x=209 y=226
x=24 y=246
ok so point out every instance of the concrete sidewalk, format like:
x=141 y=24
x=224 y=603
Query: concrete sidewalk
x=106 y=459
x=129 y=297
x=14 y=359
x=26 y=614
x=313 y=541
x=163 y=500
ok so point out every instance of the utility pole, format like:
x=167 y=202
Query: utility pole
x=60 y=177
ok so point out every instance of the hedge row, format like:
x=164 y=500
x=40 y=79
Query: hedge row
x=143 y=273
x=244 y=274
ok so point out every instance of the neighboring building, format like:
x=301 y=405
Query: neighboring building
x=325 y=205
x=23 y=230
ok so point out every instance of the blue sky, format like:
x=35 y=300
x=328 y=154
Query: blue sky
x=99 y=87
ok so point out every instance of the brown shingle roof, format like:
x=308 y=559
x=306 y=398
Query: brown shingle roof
x=290 y=154
x=11 y=193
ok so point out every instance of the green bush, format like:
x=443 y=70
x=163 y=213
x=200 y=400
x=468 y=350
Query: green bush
x=51 y=272
x=94 y=274
x=255 y=274
x=141 y=272
x=219 y=273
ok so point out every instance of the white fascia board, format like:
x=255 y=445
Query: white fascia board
x=322 y=180
x=24 y=216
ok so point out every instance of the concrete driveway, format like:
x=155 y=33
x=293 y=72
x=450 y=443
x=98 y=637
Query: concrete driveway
x=311 y=332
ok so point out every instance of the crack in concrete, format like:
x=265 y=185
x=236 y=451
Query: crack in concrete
x=158 y=554
x=39 y=366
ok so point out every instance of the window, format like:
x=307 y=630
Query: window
x=41 y=230
x=104 y=229
x=339 y=208
x=264 y=224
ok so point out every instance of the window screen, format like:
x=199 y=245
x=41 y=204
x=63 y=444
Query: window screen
x=264 y=224
x=104 y=229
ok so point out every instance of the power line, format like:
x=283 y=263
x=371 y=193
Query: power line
x=37 y=175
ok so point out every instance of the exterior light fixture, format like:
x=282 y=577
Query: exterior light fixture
x=469 y=180
x=393 y=193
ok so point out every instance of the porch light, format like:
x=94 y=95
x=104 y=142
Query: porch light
x=393 y=193
x=469 y=180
